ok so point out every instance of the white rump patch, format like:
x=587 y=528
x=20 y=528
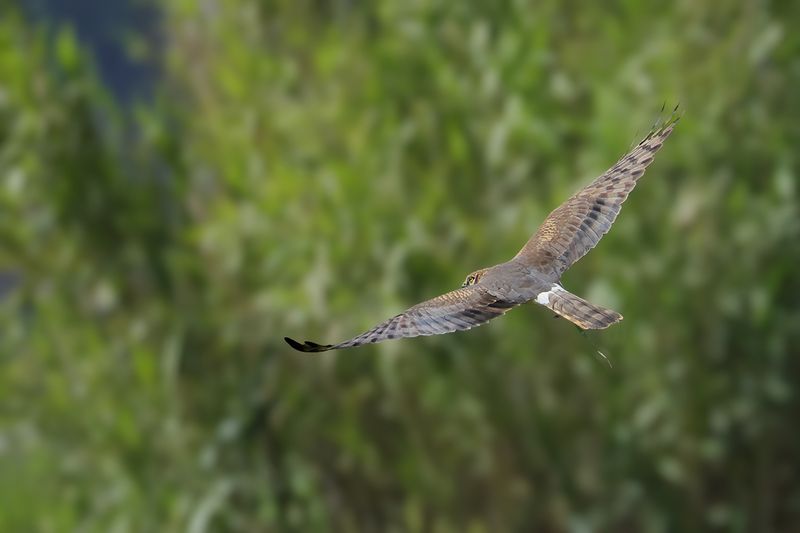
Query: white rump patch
x=544 y=297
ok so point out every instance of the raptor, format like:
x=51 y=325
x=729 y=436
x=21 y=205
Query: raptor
x=534 y=274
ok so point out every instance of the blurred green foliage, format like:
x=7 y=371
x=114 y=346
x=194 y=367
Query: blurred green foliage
x=308 y=168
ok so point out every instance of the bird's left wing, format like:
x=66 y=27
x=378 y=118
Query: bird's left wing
x=460 y=309
x=577 y=225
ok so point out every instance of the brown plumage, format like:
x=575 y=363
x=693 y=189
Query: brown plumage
x=460 y=309
x=566 y=235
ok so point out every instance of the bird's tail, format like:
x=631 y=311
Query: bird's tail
x=583 y=314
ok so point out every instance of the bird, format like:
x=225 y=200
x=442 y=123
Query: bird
x=534 y=273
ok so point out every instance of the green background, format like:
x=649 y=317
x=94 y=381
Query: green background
x=307 y=168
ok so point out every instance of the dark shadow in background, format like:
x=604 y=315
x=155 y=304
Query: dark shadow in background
x=102 y=26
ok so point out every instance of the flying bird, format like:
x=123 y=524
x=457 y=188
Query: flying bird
x=534 y=274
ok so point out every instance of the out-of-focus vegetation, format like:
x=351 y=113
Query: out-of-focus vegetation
x=307 y=168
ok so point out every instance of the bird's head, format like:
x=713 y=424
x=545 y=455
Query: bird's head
x=474 y=278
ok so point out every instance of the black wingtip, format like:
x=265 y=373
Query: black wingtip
x=294 y=344
x=308 y=346
x=662 y=124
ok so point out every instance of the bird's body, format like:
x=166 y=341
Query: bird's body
x=534 y=274
x=515 y=280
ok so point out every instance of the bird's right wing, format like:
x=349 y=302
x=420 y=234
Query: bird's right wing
x=460 y=309
x=576 y=226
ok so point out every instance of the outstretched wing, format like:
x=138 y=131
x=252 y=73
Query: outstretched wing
x=577 y=225
x=461 y=309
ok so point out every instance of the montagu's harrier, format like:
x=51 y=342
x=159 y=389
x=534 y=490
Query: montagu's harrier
x=565 y=236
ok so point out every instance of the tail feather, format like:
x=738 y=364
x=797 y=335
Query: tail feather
x=583 y=314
